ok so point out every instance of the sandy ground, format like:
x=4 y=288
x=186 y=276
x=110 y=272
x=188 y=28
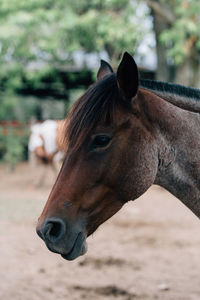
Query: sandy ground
x=149 y=250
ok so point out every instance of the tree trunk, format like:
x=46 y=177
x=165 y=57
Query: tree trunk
x=189 y=72
x=163 y=69
x=114 y=55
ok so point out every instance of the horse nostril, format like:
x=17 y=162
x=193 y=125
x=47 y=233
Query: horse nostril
x=53 y=229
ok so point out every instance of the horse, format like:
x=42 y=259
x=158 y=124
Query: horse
x=45 y=146
x=123 y=135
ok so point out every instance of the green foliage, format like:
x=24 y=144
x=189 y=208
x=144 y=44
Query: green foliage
x=183 y=36
x=23 y=108
x=102 y=25
x=38 y=39
x=12 y=145
x=13 y=107
x=50 y=31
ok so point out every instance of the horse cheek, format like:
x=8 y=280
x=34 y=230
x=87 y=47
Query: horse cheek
x=139 y=171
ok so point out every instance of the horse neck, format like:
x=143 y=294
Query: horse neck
x=177 y=134
x=184 y=97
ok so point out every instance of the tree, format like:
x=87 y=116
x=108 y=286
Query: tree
x=177 y=28
x=104 y=26
x=49 y=31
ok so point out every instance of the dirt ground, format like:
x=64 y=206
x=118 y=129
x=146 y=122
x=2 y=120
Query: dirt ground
x=149 y=250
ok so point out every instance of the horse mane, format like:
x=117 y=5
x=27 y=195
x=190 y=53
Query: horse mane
x=171 y=88
x=98 y=104
x=186 y=98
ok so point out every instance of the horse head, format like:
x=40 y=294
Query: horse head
x=111 y=158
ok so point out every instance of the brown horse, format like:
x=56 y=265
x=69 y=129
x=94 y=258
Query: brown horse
x=122 y=138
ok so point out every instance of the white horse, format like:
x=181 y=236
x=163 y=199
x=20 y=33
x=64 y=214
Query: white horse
x=45 y=146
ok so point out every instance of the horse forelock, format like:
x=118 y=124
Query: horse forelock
x=97 y=105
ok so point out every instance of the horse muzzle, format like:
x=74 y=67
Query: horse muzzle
x=69 y=241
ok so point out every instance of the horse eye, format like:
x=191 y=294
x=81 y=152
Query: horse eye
x=100 y=141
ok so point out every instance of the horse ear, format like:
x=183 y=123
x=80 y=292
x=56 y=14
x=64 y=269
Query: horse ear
x=127 y=76
x=104 y=70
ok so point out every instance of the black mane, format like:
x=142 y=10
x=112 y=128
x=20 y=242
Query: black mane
x=170 y=88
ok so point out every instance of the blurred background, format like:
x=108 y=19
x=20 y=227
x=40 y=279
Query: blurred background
x=49 y=54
